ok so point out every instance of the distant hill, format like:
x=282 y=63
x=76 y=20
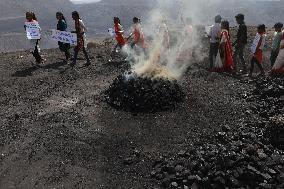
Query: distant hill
x=98 y=17
x=12 y=18
x=12 y=12
x=14 y=8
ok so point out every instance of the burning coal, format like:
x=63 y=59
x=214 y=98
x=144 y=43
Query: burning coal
x=153 y=85
x=143 y=94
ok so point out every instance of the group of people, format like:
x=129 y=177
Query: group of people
x=136 y=34
x=80 y=30
x=223 y=58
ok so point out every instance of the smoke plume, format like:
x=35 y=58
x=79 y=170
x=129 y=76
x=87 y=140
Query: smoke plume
x=170 y=58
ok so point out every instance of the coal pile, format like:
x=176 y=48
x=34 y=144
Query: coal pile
x=142 y=94
x=275 y=132
x=268 y=103
x=243 y=159
x=250 y=156
x=268 y=96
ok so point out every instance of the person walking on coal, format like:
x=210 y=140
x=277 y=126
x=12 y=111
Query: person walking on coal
x=276 y=43
x=62 y=26
x=214 y=35
x=163 y=32
x=119 y=33
x=137 y=34
x=81 y=39
x=240 y=43
x=257 y=49
x=34 y=43
x=187 y=46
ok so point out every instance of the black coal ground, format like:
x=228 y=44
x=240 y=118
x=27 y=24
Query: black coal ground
x=245 y=158
x=139 y=94
x=57 y=131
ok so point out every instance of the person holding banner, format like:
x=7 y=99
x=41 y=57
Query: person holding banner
x=81 y=39
x=62 y=26
x=33 y=34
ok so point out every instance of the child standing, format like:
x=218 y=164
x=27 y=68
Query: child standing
x=62 y=26
x=257 y=49
x=81 y=38
x=276 y=42
x=34 y=43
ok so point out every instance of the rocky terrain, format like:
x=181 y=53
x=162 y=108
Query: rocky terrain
x=58 y=131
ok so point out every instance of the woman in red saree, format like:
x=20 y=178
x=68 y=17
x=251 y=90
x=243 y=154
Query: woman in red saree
x=226 y=50
x=137 y=34
x=118 y=29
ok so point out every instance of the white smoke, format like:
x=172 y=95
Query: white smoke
x=171 y=63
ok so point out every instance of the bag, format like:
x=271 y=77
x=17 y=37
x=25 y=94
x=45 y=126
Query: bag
x=218 y=61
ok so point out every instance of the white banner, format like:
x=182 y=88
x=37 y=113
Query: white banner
x=32 y=30
x=65 y=37
x=111 y=32
x=254 y=44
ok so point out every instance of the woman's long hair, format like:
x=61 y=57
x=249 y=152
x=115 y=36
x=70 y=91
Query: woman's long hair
x=62 y=16
x=116 y=19
x=76 y=14
x=226 y=25
x=32 y=14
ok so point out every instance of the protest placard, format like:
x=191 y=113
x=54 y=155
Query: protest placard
x=254 y=44
x=65 y=37
x=32 y=30
x=111 y=32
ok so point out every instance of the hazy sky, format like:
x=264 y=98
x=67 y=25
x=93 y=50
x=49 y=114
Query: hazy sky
x=88 y=1
x=84 y=1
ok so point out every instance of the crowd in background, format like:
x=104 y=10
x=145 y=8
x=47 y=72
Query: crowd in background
x=225 y=56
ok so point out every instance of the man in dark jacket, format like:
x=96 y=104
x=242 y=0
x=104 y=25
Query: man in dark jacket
x=241 y=42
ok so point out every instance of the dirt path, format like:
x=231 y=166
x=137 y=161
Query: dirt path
x=56 y=131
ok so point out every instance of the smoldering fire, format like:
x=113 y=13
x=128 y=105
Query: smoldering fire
x=132 y=93
x=153 y=84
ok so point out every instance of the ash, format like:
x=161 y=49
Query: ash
x=143 y=94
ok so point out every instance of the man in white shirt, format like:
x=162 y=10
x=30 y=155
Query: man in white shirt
x=214 y=35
